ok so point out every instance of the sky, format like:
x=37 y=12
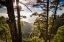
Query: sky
x=26 y=12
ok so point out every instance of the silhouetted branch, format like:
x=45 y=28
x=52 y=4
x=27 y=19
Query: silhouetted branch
x=26 y=6
x=3 y=3
x=56 y=9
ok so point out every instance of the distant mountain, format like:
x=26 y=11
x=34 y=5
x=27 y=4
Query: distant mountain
x=31 y=24
x=26 y=29
x=28 y=26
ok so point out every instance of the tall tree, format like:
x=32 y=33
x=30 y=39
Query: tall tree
x=40 y=25
x=46 y=6
x=11 y=21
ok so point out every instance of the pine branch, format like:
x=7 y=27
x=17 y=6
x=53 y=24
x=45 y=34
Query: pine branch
x=3 y=3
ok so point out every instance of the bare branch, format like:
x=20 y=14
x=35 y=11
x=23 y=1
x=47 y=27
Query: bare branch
x=26 y=6
x=3 y=3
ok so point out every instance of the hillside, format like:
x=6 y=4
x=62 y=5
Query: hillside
x=26 y=29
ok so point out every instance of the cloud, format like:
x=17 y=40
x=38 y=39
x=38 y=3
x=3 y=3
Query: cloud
x=62 y=9
x=4 y=14
x=31 y=19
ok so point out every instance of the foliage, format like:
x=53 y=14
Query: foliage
x=40 y=23
x=4 y=29
x=39 y=28
x=59 y=37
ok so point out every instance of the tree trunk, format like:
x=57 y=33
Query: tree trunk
x=46 y=39
x=12 y=22
x=19 y=25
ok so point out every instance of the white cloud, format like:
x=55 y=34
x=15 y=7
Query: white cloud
x=4 y=14
x=62 y=9
x=31 y=19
